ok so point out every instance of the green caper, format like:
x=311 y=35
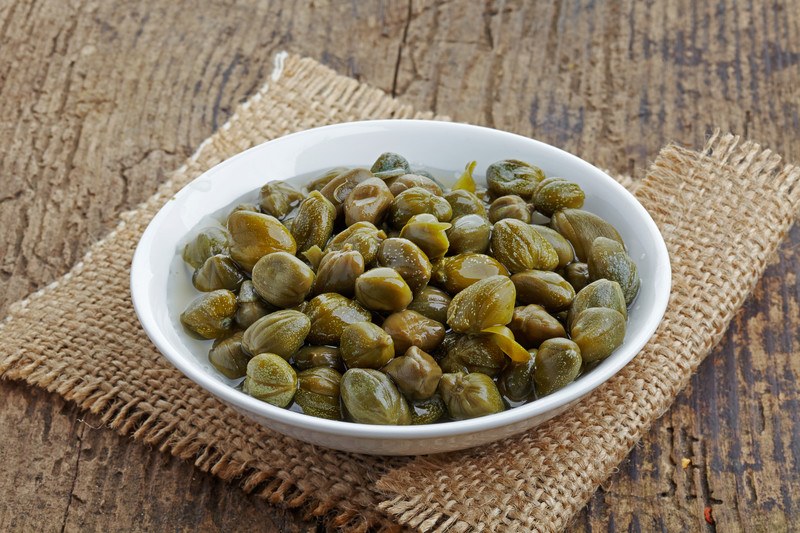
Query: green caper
x=282 y=332
x=532 y=325
x=338 y=270
x=362 y=237
x=210 y=315
x=391 y=164
x=553 y=194
x=330 y=313
x=598 y=331
x=416 y=374
x=370 y=397
x=365 y=345
x=416 y=201
x=383 y=289
x=408 y=181
x=519 y=247
x=227 y=356
x=318 y=392
x=513 y=177
x=561 y=245
x=465 y=203
x=431 y=303
x=409 y=328
x=600 y=293
x=427 y=411
x=608 y=259
x=282 y=279
x=470 y=395
x=209 y=242
x=339 y=188
x=270 y=379
x=255 y=235
x=429 y=234
x=250 y=307
x=509 y=206
x=469 y=233
x=317 y=184
x=218 y=272
x=581 y=228
x=474 y=353
x=278 y=198
x=558 y=363
x=516 y=381
x=458 y=272
x=489 y=302
x=369 y=201
x=313 y=224
x=544 y=288
x=407 y=259
x=314 y=356
x=577 y=274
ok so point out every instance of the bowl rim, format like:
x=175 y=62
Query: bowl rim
x=140 y=277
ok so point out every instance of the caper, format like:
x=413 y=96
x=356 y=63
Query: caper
x=389 y=163
x=469 y=233
x=519 y=247
x=562 y=247
x=383 y=289
x=282 y=332
x=474 y=353
x=370 y=397
x=282 y=279
x=278 y=198
x=431 y=303
x=416 y=374
x=319 y=183
x=227 y=356
x=463 y=203
x=577 y=274
x=608 y=259
x=339 y=188
x=255 y=235
x=318 y=392
x=407 y=259
x=314 y=356
x=365 y=345
x=218 y=272
x=509 y=206
x=553 y=194
x=368 y=201
x=409 y=328
x=362 y=237
x=511 y=176
x=429 y=234
x=544 y=288
x=416 y=201
x=489 y=302
x=598 y=331
x=313 y=224
x=250 y=307
x=270 y=379
x=460 y=271
x=209 y=242
x=330 y=313
x=558 y=363
x=427 y=411
x=408 y=181
x=600 y=293
x=470 y=395
x=581 y=228
x=532 y=325
x=338 y=270
x=516 y=381
x=211 y=314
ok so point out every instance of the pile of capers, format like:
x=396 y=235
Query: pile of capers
x=378 y=296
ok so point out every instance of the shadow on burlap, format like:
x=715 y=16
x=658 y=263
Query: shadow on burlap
x=94 y=352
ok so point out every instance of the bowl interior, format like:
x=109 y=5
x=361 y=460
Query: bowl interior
x=161 y=282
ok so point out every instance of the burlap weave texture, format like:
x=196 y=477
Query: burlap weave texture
x=93 y=351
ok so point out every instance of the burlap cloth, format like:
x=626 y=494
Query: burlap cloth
x=722 y=211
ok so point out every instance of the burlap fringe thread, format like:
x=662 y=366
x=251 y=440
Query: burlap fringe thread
x=102 y=360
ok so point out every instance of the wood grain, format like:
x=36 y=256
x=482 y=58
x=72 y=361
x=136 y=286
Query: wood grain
x=99 y=100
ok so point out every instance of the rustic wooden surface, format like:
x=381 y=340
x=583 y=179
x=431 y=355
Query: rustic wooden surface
x=99 y=100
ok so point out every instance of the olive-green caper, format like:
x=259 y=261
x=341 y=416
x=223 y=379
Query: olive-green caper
x=365 y=345
x=368 y=201
x=513 y=177
x=577 y=274
x=210 y=315
x=255 y=235
x=474 y=353
x=581 y=228
x=227 y=356
x=313 y=224
x=282 y=279
x=458 y=272
x=362 y=237
x=516 y=380
x=431 y=303
x=465 y=203
x=338 y=270
x=598 y=331
x=270 y=379
x=314 y=356
x=370 y=397
x=408 y=181
x=470 y=395
x=558 y=363
x=318 y=183
x=383 y=289
x=416 y=201
x=250 y=307
x=277 y=198
x=407 y=259
x=218 y=272
x=409 y=328
x=519 y=247
x=532 y=325
x=210 y=241
x=469 y=233
x=429 y=234
x=416 y=374
x=391 y=164
x=561 y=245
x=544 y=288
x=489 y=302
x=608 y=259
x=318 y=392
x=600 y=293
x=282 y=332
x=427 y=411
x=339 y=188
x=330 y=313
x=509 y=206
x=553 y=194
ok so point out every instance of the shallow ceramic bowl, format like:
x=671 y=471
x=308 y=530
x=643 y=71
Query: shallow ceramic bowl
x=161 y=286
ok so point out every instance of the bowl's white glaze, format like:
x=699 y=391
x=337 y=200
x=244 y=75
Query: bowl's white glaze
x=160 y=285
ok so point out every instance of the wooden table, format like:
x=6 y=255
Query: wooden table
x=99 y=100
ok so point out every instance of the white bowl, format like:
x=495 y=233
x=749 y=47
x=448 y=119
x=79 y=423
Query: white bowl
x=161 y=287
